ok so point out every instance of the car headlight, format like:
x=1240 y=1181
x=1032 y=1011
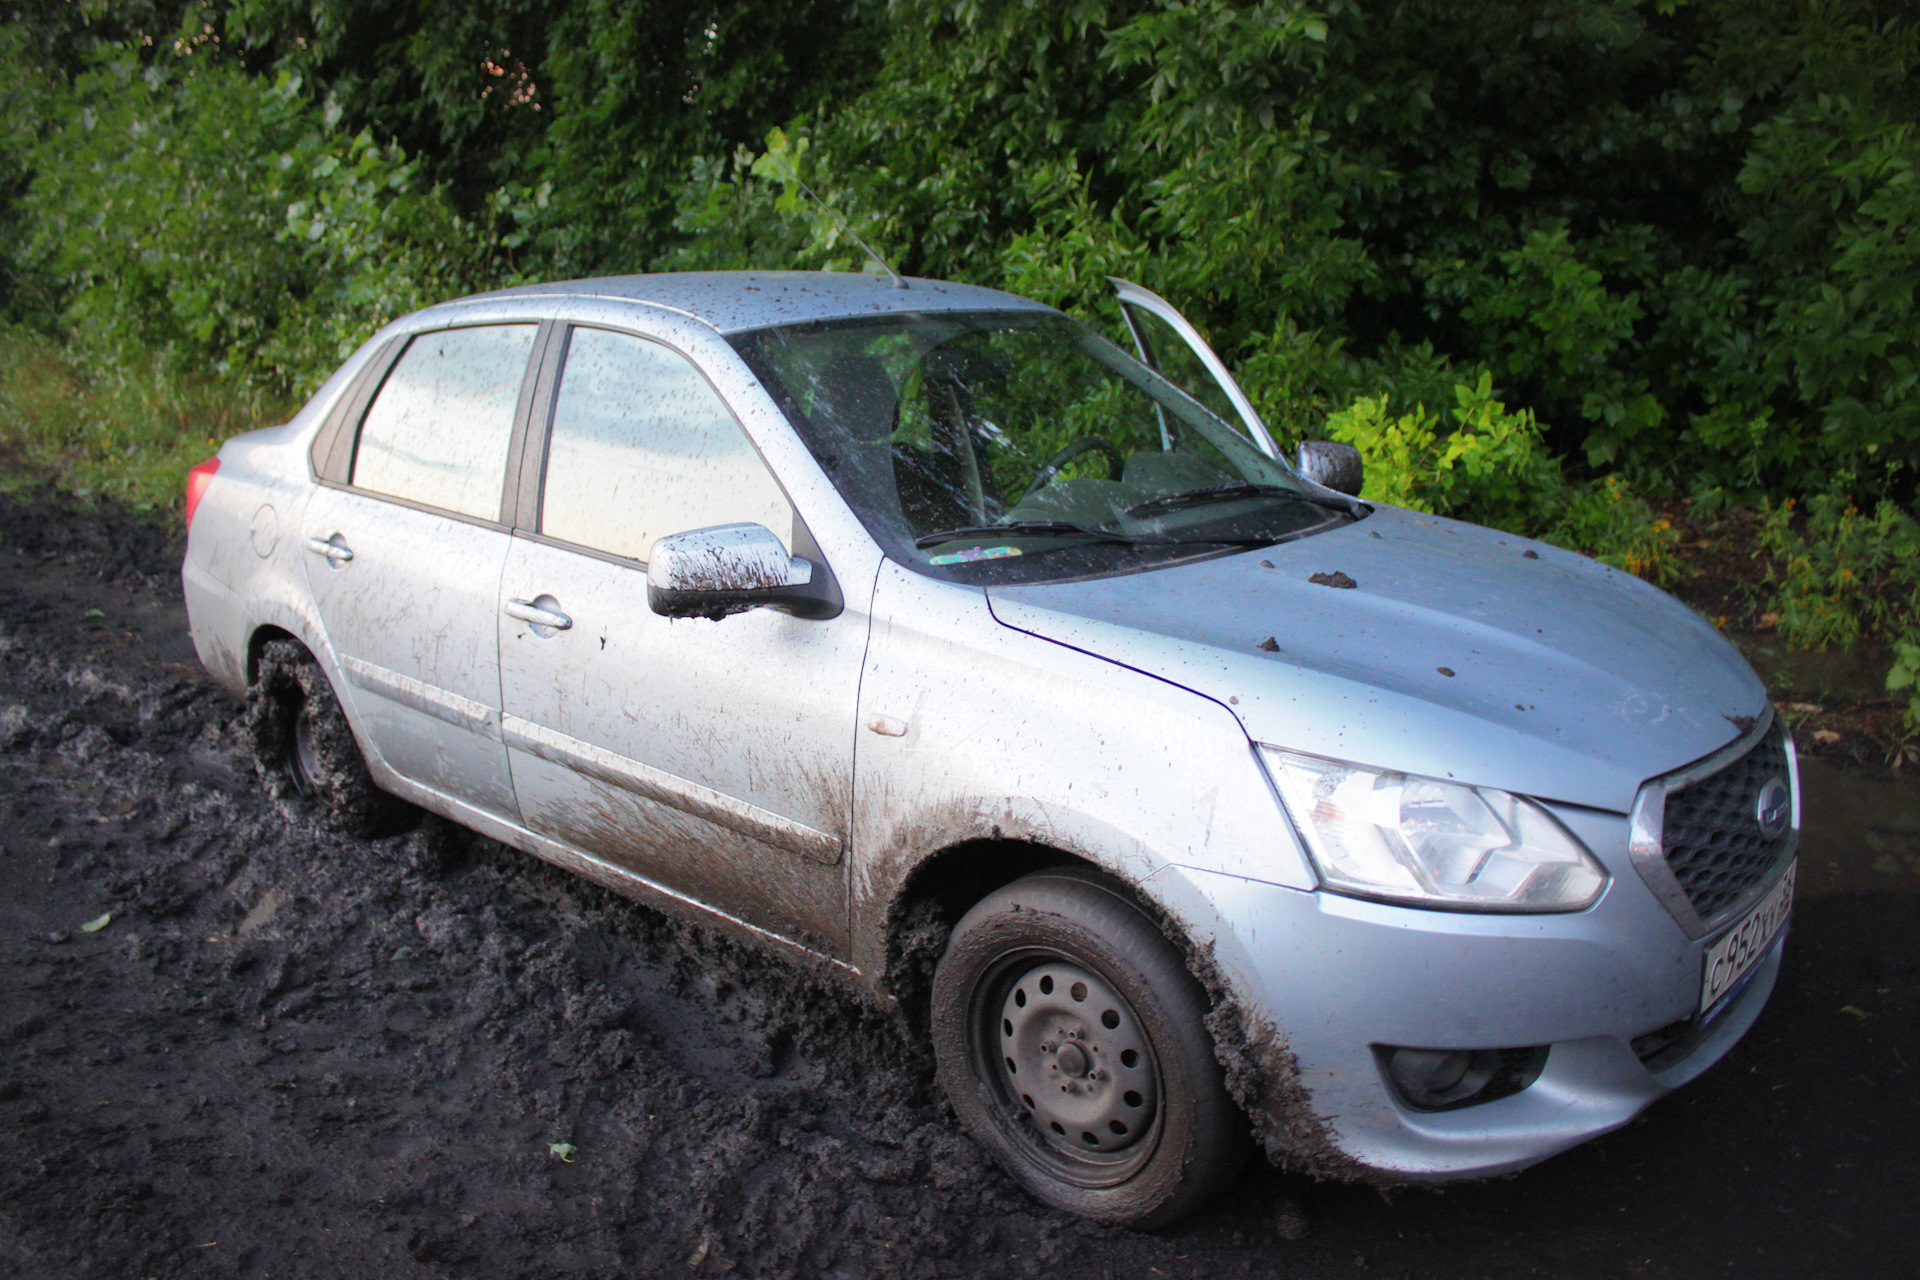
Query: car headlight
x=1377 y=834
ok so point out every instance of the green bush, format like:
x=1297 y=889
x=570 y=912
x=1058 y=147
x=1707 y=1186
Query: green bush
x=1678 y=231
x=1606 y=520
x=1905 y=678
x=188 y=212
x=1837 y=574
x=128 y=431
x=1493 y=468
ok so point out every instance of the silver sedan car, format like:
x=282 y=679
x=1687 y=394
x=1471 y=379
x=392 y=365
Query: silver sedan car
x=1188 y=804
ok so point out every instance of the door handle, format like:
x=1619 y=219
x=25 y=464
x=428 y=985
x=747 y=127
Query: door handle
x=528 y=611
x=335 y=552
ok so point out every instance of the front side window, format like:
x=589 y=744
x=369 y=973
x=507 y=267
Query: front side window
x=437 y=433
x=642 y=446
x=1021 y=446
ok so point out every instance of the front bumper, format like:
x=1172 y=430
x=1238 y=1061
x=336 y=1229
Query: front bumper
x=1336 y=976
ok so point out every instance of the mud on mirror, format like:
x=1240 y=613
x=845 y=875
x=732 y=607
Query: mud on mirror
x=1337 y=466
x=731 y=568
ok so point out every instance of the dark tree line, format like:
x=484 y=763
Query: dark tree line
x=1678 y=230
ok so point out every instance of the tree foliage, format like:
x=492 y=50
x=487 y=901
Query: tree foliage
x=219 y=219
x=1679 y=232
x=601 y=103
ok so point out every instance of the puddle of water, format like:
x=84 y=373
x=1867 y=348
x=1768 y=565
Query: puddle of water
x=1860 y=832
x=1856 y=674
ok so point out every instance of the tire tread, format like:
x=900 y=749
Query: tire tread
x=1212 y=1134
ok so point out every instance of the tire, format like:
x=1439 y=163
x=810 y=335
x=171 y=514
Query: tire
x=1072 y=1042
x=305 y=752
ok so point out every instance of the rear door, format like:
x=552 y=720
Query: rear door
x=713 y=758
x=404 y=558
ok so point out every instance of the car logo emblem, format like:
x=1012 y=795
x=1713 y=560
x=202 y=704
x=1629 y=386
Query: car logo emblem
x=1773 y=807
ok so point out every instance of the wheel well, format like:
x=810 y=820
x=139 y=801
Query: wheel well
x=259 y=640
x=940 y=891
x=1261 y=1073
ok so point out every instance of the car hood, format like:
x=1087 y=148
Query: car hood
x=1457 y=652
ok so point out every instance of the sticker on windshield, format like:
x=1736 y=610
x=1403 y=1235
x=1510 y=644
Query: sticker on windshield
x=974 y=553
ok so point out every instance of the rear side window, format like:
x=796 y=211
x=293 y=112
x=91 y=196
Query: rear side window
x=438 y=431
x=642 y=446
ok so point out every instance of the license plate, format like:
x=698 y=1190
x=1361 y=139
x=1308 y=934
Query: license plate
x=1739 y=949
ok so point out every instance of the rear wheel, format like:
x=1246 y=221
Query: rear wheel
x=305 y=753
x=1072 y=1042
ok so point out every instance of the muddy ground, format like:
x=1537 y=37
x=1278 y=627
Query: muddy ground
x=288 y=1054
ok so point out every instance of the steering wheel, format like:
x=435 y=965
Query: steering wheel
x=1116 y=462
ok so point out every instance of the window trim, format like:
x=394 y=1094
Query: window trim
x=343 y=440
x=527 y=456
x=331 y=457
x=532 y=487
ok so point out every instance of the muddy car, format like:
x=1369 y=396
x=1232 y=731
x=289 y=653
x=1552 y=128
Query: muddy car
x=1187 y=804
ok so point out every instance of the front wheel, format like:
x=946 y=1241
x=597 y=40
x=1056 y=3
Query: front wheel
x=1072 y=1042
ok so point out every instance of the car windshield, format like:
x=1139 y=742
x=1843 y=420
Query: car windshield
x=1018 y=446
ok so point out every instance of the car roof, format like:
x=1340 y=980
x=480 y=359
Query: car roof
x=735 y=301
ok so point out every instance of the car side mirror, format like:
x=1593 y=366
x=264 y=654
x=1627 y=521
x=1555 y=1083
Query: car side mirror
x=1337 y=466
x=731 y=568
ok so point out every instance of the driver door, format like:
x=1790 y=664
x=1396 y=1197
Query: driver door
x=1170 y=345
x=714 y=759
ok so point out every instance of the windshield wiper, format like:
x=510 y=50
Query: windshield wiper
x=1023 y=527
x=1068 y=529
x=1215 y=493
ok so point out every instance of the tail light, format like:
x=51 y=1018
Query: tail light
x=197 y=481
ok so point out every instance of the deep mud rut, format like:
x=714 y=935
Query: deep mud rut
x=290 y=1054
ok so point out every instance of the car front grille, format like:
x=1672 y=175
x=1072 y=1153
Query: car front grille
x=1711 y=833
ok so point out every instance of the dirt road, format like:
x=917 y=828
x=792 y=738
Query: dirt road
x=286 y=1054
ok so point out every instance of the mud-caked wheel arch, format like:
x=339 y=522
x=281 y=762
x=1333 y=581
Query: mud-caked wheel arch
x=1071 y=1041
x=305 y=752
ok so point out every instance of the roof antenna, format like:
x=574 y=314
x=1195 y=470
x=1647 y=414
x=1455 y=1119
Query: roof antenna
x=880 y=262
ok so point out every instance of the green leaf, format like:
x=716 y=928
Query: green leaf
x=1906 y=667
x=98 y=923
x=564 y=1150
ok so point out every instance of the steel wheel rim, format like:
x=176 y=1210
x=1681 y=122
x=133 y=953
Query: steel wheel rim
x=1070 y=1065
x=303 y=764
